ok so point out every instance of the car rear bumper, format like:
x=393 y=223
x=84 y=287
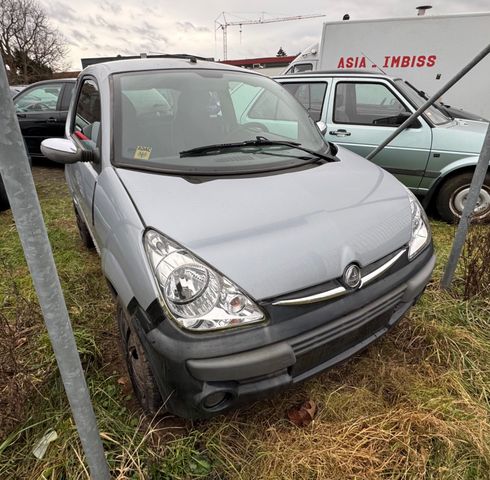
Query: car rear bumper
x=200 y=375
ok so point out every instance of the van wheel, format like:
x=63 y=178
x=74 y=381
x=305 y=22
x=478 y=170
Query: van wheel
x=85 y=236
x=142 y=379
x=452 y=197
x=4 y=201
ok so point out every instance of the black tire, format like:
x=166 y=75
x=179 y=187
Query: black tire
x=4 y=201
x=142 y=378
x=450 y=198
x=85 y=236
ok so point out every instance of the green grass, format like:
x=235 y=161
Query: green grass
x=415 y=405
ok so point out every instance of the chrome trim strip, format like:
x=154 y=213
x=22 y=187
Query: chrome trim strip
x=318 y=297
x=340 y=291
x=376 y=273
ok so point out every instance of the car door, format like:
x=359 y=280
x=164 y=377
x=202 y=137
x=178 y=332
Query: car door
x=86 y=128
x=38 y=113
x=363 y=113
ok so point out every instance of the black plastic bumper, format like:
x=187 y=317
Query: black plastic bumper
x=296 y=343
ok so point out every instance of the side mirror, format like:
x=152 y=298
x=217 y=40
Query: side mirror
x=322 y=126
x=66 y=151
x=61 y=150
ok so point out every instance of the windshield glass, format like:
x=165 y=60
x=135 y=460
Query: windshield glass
x=159 y=114
x=432 y=113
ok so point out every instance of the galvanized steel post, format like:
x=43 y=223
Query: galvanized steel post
x=431 y=100
x=19 y=185
x=469 y=206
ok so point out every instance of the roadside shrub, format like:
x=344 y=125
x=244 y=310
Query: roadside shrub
x=475 y=262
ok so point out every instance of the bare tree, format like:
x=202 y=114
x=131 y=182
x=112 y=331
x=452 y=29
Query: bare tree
x=30 y=47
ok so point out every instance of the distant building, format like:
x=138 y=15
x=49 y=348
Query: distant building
x=269 y=66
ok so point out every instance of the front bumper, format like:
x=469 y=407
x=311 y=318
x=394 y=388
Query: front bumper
x=202 y=374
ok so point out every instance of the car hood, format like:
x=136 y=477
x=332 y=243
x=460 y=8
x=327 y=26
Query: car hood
x=464 y=136
x=279 y=233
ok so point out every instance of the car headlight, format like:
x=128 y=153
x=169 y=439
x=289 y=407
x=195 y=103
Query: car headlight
x=420 y=227
x=196 y=296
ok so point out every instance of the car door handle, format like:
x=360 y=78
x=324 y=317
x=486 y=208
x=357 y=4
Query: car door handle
x=21 y=115
x=51 y=120
x=340 y=133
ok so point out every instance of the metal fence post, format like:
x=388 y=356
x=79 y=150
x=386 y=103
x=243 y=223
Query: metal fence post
x=431 y=100
x=469 y=206
x=19 y=185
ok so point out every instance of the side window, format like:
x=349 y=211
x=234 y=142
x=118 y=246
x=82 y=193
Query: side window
x=87 y=114
x=367 y=104
x=310 y=95
x=269 y=107
x=40 y=99
x=302 y=67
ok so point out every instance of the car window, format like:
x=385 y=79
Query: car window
x=87 y=116
x=38 y=99
x=161 y=115
x=310 y=95
x=300 y=67
x=367 y=104
x=270 y=107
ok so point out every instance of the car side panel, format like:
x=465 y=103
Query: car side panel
x=120 y=233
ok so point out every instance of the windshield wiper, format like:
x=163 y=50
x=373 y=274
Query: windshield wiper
x=258 y=142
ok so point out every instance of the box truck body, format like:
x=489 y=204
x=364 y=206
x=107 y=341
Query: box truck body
x=427 y=51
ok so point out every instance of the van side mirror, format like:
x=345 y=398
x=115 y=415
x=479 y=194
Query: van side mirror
x=66 y=151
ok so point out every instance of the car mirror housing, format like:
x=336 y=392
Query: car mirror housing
x=322 y=126
x=66 y=151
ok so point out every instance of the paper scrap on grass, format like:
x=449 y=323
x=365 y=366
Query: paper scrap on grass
x=42 y=445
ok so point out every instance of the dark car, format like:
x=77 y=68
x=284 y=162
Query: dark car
x=42 y=109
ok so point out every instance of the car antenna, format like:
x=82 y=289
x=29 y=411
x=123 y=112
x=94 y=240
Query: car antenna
x=375 y=64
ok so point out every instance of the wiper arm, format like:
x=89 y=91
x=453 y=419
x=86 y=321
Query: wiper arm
x=258 y=142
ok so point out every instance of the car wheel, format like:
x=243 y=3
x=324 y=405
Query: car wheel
x=4 y=201
x=83 y=231
x=452 y=197
x=142 y=379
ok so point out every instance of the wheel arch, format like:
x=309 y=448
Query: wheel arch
x=463 y=165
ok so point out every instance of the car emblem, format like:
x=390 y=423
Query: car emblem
x=352 y=276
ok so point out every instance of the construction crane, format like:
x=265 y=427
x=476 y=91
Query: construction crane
x=221 y=23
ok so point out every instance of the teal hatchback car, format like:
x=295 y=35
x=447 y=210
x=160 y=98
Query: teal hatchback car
x=435 y=158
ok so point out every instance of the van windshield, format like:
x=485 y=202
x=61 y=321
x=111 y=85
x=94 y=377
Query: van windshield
x=158 y=115
x=432 y=113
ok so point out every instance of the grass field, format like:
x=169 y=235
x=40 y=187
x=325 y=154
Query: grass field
x=415 y=405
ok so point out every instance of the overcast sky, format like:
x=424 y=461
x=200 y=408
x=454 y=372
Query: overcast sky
x=94 y=28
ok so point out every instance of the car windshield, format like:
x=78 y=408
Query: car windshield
x=159 y=115
x=432 y=113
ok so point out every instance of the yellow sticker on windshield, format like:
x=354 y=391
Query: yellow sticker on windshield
x=142 y=153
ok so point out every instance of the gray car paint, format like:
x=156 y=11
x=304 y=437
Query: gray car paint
x=280 y=233
x=271 y=234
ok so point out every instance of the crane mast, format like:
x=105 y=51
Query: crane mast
x=221 y=23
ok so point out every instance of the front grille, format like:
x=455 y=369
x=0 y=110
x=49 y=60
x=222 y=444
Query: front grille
x=323 y=344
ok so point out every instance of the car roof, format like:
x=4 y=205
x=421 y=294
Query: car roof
x=53 y=80
x=338 y=72
x=144 y=64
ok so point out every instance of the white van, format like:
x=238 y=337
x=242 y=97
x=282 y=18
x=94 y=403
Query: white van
x=426 y=51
